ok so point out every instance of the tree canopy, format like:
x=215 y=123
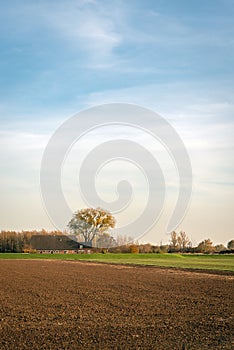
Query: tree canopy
x=206 y=246
x=231 y=244
x=90 y=223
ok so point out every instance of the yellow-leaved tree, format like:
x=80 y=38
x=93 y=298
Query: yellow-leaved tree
x=90 y=223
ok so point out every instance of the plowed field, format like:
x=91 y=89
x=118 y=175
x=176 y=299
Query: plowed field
x=79 y=305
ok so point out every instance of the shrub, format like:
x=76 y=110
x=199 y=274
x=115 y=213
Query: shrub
x=134 y=249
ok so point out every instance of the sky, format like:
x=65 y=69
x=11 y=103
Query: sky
x=173 y=57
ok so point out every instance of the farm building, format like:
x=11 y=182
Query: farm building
x=52 y=244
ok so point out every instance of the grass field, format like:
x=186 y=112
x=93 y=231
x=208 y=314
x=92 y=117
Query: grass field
x=204 y=262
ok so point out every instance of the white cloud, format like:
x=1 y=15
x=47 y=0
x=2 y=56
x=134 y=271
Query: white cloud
x=204 y=122
x=20 y=155
x=11 y=140
x=88 y=28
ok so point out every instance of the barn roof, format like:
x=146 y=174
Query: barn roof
x=53 y=242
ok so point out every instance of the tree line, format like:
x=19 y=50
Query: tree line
x=179 y=243
x=18 y=242
x=91 y=226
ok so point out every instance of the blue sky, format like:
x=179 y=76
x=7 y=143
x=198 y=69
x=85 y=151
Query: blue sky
x=175 y=57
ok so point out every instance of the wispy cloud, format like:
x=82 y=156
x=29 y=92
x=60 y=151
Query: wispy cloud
x=89 y=30
x=64 y=56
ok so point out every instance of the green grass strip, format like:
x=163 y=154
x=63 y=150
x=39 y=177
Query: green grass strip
x=190 y=261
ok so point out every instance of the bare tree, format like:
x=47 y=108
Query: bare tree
x=90 y=223
x=106 y=241
x=183 y=241
x=174 y=241
x=122 y=240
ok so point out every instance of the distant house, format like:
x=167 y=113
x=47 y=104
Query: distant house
x=52 y=244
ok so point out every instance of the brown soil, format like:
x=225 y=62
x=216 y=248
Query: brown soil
x=77 y=305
